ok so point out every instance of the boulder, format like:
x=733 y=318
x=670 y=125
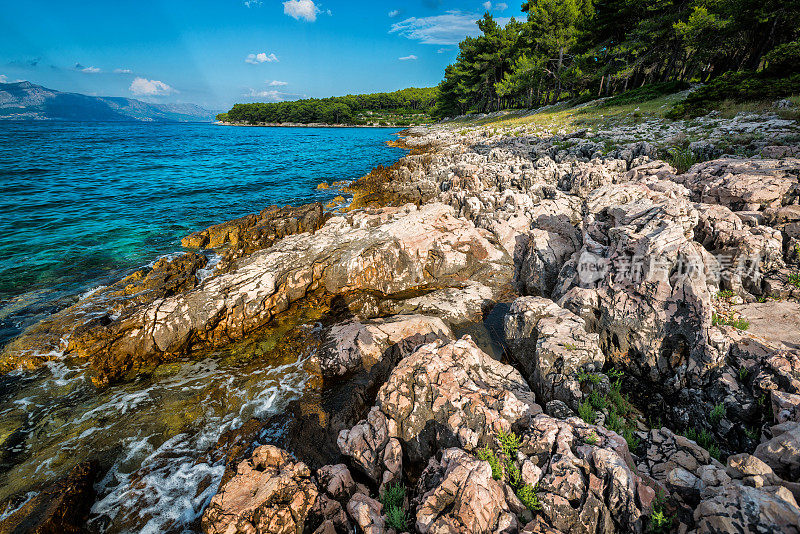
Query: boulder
x=463 y=497
x=270 y=493
x=360 y=344
x=782 y=452
x=385 y=253
x=443 y=395
x=552 y=346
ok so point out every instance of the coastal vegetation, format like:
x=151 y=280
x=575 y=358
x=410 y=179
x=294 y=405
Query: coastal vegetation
x=402 y=108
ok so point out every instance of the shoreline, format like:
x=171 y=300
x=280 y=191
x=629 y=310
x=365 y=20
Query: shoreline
x=313 y=125
x=441 y=241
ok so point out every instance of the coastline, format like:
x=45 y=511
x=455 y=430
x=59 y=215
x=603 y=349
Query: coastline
x=310 y=125
x=487 y=233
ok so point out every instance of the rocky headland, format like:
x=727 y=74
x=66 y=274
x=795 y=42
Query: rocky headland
x=518 y=331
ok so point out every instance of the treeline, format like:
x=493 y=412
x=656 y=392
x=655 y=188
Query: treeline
x=350 y=109
x=572 y=48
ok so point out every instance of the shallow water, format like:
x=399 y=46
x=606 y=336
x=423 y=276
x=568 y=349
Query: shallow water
x=82 y=205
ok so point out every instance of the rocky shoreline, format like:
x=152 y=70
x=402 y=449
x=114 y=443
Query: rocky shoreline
x=626 y=395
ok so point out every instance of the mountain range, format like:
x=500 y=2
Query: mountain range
x=27 y=101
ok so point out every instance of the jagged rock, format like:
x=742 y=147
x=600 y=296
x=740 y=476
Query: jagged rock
x=465 y=497
x=750 y=184
x=384 y=253
x=551 y=345
x=584 y=486
x=258 y=231
x=782 y=452
x=542 y=253
x=354 y=344
x=740 y=508
x=270 y=493
x=61 y=507
x=785 y=406
x=367 y=514
x=441 y=396
x=464 y=303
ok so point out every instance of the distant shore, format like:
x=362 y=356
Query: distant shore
x=310 y=125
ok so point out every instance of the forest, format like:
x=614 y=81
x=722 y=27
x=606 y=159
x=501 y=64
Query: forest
x=399 y=107
x=586 y=49
x=570 y=49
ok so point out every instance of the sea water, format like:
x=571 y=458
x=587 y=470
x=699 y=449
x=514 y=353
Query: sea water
x=82 y=205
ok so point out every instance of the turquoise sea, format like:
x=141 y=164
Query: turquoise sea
x=81 y=204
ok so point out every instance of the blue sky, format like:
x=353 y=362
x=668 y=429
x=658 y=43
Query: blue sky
x=218 y=52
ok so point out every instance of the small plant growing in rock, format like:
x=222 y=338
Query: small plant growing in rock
x=690 y=433
x=487 y=455
x=659 y=520
x=592 y=439
x=794 y=279
x=752 y=433
x=570 y=346
x=717 y=413
x=529 y=497
x=705 y=439
x=631 y=439
x=396 y=518
x=597 y=401
x=681 y=158
x=393 y=501
x=742 y=374
x=725 y=294
x=509 y=443
x=586 y=412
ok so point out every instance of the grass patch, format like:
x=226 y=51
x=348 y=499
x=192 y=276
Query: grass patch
x=794 y=280
x=739 y=323
x=586 y=412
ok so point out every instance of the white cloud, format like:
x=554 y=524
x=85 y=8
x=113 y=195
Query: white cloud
x=122 y=71
x=262 y=57
x=502 y=6
x=412 y=57
x=487 y=5
x=252 y=3
x=393 y=13
x=302 y=9
x=277 y=83
x=3 y=78
x=447 y=29
x=442 y=50
x=145 y=87
x=87 y=70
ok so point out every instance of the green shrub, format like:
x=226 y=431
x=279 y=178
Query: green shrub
x=645 y=93
x=592 y=439
x=690 y=433
x=393 y=501
x=487 y=455
x=681 y=158
x=725 y=294
x=742 y=374
x=631 y=438
x=659 y=520
x=740 y=86
x=586 y=412
x=396 y=518
x=528 y=496
x=794 y=279
x=509 y=443
x=597 y=401
x=705 y=439
x=717 y=413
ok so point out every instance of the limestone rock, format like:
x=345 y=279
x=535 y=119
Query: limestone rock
x=552 y=345
x=269 y=494
x=443 y=395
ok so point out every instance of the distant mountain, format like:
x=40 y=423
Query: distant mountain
x=26 y=101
